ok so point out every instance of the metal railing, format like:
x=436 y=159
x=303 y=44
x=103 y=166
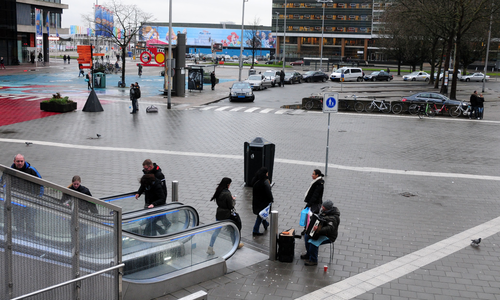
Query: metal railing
x=57 y=243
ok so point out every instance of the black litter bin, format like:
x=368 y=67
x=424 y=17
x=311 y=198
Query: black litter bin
x=258 y=153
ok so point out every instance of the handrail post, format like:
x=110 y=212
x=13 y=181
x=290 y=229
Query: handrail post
x=175 y=191
x=273 y=235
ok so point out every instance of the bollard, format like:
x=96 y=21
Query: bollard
x=175 y=191
x=273 y=236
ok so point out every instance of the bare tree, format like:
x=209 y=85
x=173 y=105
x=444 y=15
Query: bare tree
x=127 y=20
x=252 y=35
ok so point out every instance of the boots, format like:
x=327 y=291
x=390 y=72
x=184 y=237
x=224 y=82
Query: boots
x=210 y=250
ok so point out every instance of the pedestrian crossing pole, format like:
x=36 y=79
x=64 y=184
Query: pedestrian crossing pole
x=330 y=105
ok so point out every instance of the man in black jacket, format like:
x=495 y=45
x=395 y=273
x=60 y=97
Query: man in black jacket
x=327 y=234
x=473 y=105
x=150 y=167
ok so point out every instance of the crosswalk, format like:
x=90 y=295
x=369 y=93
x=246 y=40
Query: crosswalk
x=260 y=110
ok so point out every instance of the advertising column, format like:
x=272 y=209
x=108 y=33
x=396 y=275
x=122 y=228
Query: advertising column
x=38 y=35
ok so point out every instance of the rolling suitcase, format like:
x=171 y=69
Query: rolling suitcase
x=286 y=246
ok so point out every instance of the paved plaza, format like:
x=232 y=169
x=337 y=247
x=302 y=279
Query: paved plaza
x=412 y=192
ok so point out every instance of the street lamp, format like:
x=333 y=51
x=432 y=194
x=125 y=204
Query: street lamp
x=276 y=38
x=241 y=46
x=322 y=30
x=169 y=60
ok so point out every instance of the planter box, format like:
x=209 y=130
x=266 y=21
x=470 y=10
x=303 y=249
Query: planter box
x=56 y=107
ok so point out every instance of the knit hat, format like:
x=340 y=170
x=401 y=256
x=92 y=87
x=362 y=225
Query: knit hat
x=328 y=205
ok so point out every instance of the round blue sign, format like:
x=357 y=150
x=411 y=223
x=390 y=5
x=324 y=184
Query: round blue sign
x=331 y=102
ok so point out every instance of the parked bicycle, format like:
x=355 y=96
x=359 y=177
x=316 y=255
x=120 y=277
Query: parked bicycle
x=456 y=111
x=421 y=110
x=346 y=104
x=314 y=102
x=384 y=106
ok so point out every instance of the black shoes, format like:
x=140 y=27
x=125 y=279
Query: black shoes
x=265 y=226
x=311 y=263
x=304 y=256
x=257 y=234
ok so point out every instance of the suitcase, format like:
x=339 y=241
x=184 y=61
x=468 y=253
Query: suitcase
x=286 y=246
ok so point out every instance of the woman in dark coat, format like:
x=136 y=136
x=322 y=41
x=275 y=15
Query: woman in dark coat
x=262 y=197
x=314 y=195
x=84 y=205
x=225 y=204
x=154 y=196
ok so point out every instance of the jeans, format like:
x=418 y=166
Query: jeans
x=216 y=233
x=134 y=105
x=312 y=250
x=258 y=221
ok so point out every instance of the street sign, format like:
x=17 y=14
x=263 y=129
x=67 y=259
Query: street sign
x=330 y=103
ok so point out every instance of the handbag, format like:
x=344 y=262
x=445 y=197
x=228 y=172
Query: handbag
x=264 y=214
x=86 y=80
x=316 y=220
x=151 y=109
x=235 y=217
x=303 y=216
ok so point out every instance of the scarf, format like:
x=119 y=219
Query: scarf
x=312 y=182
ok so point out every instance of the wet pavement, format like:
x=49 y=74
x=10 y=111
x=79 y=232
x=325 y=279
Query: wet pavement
x=412 y=193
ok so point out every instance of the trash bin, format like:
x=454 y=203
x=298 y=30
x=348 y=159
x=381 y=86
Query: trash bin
x=252 y=72
x=129 y=54
x=99 y=80
x=258 y=153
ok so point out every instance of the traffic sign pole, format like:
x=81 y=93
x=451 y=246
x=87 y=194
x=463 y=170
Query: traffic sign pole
x=330 y=105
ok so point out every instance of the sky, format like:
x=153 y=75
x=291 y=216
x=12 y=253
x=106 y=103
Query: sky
x=185 y=11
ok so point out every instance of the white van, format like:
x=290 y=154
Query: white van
x=350 y=74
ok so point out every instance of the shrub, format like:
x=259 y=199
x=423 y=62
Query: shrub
x=57 y=98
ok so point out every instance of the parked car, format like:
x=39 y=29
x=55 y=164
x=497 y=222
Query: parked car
x=297 y=63
x=272 y=62
x=273 y=76
x=432 y=98
x=418 y=75
x=379 y=76
x=292 y=77
x=258 y=82
x=249 y=61
x=450 y=74
x=350 y=74
x=314 y=76
x=474 y=77
x=241 y=91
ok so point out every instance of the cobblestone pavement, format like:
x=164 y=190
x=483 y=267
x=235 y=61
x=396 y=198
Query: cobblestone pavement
x=412 y=193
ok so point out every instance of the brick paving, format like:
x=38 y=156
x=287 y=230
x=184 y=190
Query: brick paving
x=374 y=160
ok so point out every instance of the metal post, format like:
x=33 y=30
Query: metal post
x=487 y=50
x=322 y=31
x=327 y=144
x=284 y=40
x=8 y=271
x=175 y=191
x=277 y=55
x=241 y=37
x=273 y=235
x=169 y=60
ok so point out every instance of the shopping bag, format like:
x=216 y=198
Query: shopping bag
x=264 y=214
x=235 y=217
x=303 y=216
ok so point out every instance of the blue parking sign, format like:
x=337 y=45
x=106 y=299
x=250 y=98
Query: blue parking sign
x=330 y=103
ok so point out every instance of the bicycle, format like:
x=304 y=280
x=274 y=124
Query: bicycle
x=456 y=111
x=314 y=102
x=381 y=105
x=421 y=109
x=358 y=105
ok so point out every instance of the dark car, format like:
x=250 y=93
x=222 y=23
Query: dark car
x=292 y=77
x=432 y=98
x=314 y=76
x=379 y=76
x=241 y=91
x=297 y=63
x=272 y=62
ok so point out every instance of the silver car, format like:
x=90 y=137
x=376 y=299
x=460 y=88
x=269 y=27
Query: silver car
x=474 y=77
x=273 y=76
x=419 y=75
x=258 y=82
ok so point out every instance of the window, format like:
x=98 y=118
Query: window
x=353 y=5
x=329 y=16
x=340 y=29
x=365 y=5
x=352 y=17
x=329 y=5
x=341 y=17
x=364 y=18
x=295 y=16
x=318 y=28
x=341 y=5
x=351 y=29
x=307 y=16
x=363 y=29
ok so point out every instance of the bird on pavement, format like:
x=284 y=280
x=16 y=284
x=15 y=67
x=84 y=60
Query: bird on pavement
x=28 y=143
x=475 y=243
x=98 y=135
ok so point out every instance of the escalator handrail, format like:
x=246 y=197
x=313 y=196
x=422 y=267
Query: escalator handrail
x=150 y=211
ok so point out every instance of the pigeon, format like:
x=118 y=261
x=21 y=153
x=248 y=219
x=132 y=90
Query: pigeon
x=28 y=143
x=98 y=135
x=475 y=243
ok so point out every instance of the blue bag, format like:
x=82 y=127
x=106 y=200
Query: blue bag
x=303 y=216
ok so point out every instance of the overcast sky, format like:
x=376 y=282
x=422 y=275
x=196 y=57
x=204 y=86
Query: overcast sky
x=187 y=11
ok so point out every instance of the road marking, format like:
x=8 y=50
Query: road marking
x=265 y=111
x=222 y=108
x=279 y=160
x=281 y=111
x=238 y=108
x=361 y=283
x=252 y=109
x=208 y=107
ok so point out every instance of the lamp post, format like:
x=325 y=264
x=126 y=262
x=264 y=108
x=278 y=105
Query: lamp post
x=169 y=70
x=284 y=39
x=241 y=45
x=487 y=50
x=276 y=38
x=322 y=30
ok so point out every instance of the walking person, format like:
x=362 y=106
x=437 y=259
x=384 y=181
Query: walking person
x=2 y=63
x=213 y=80
x=225 y=206
x=473 y=105
x=87 y=79
x=64 y=59
x=133 y=98
x=139 y=66
x=69 y=58
x=81 y=72
x=261 y=198
x=137 y=94
x=154 y=197
x=77 y=186
x=480 y=106
x=314 y=195
x=282 y=78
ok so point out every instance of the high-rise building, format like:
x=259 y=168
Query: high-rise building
x=18 y=30
x=347 y=30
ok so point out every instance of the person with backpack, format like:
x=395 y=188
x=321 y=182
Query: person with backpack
x=261 y=198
